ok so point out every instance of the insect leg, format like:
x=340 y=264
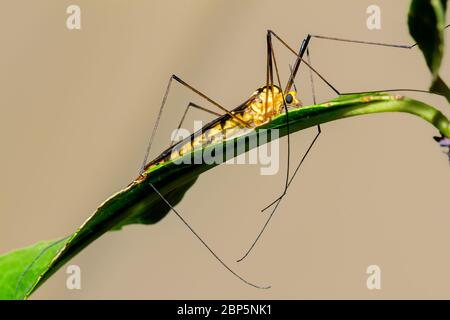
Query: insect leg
x=293 y=73
x=176 y=78
x=288 y=86
x=196 y=106
x=299 y=59
x=193 y=105
x=392 y=45
x=271 y=53
x=311 y=69
x=204 y=243
x=403 y=46
x=319 y=131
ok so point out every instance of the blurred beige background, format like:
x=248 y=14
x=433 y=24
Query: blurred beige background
x=77 y=108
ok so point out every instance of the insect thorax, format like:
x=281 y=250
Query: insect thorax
x=266 y=104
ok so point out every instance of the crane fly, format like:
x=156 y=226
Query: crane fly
x=251 y=114
x=265 y=103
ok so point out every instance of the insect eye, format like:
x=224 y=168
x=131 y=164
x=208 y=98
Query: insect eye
x=289 y=98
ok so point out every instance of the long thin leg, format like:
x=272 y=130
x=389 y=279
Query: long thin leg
x=347 y=93
x=311 y=78
x=311 y=70
x=174 y=77
x=291 y=82
x=273 y=59
x=319 y=131
x=269 y=73
x=278 y=201
x=287 y=121
x=196 y=106
x=403 y=46
x=383 y=44
x=204 y=243
x=300 y=59
x=288 y=86
x=303 y=48
x=400 y=46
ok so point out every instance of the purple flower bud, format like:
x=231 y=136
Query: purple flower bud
x=444 y=142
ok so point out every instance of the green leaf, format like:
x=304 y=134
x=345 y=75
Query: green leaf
x=440 y=87
x=426 y=21
x=138 y=202
x=20 y=269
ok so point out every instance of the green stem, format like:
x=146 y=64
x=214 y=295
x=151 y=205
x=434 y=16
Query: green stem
x=350 y=106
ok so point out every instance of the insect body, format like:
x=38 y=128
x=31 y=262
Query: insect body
x=260 y=108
